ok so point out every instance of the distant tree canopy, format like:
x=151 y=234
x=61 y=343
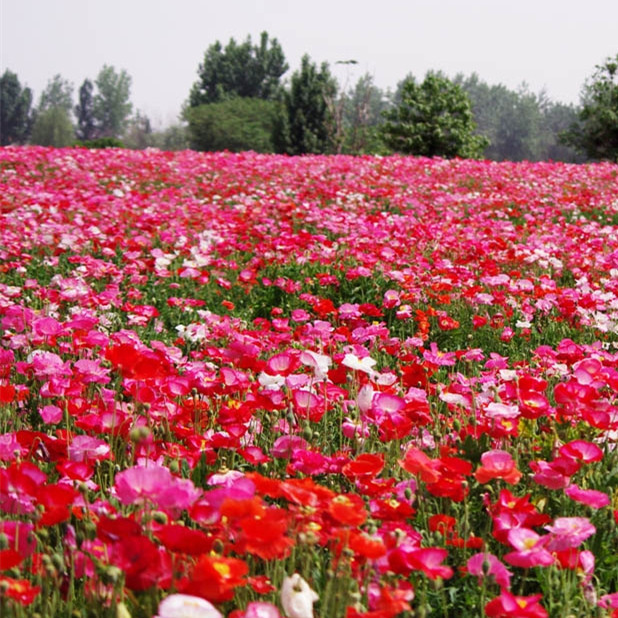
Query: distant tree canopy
x=111 y=106
x=239 y=70
x=237 y=124
x=434 y=118
x=596 y=131
x=52 y=124
x=520 y=125
x=305 y=122
x=363 y=105
x=15 y=113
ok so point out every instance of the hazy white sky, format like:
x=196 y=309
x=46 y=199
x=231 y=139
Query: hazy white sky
x=551 y=44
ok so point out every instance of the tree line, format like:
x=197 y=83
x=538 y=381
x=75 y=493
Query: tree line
x=240 y=101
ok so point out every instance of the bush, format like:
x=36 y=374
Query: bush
x=236 y=125
x=100 y=142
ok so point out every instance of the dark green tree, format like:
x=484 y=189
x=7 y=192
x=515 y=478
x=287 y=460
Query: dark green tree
x=596 y=132
x=111 y=104
x=434 y=118
x=305 y=122
x=239 y=70
x=236 y=125
x=84 y=112
x=15 y=114
x=52 y=124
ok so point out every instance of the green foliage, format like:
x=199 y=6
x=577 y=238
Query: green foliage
x=15 y=103
x=434 y=118
x=174 y=137
x=305 y=122
x=596 y=132
x=363 y=106
x=52 y=127
x=52 y=121
x=239 y=70
x=520 y=125
x=84 y=111
x=111 y=105
x=57 y=93
x=236 y=124
x=101 y=142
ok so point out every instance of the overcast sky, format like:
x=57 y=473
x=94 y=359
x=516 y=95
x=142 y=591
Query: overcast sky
x=550 y=44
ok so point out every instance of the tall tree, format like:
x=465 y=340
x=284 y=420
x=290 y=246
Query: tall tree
x=434 y=118
x=15 y=114
x=364 y=104
x=242 y=70
x=111 y=105
x=57 y=93
x=84 y=112
x=52 y=124
x=305 y=123
x=596 y=132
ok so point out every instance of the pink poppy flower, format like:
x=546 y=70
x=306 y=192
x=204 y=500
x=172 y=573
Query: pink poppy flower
x=155 y=484
x=530 y=549
x=591 y=497
x=568 y=532
x=487 y=565
x=581 y=450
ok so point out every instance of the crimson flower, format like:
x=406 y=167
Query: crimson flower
x=215 y=578
x=508 y=605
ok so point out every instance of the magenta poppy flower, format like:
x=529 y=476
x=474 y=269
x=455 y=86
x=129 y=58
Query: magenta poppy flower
x=591 y=497
x=487 y=565
x=155 y=484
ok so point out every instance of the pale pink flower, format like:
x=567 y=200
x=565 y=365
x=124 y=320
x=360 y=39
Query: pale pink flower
x=568 y=532
x=261 y=609
x=187 y=606
x=156 y=484
x=87 y=448
x=10 y=448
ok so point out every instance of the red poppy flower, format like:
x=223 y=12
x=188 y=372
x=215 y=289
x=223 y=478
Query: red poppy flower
x=348 y=509
x=184 y=540
x=264 y=536
x=366 y=466
x=20 y=590
x=215 y=578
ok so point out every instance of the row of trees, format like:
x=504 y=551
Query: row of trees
x=102 y=115
x=240 y=102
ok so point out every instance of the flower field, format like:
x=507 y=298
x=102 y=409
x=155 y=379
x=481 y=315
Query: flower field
x=258 y=386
